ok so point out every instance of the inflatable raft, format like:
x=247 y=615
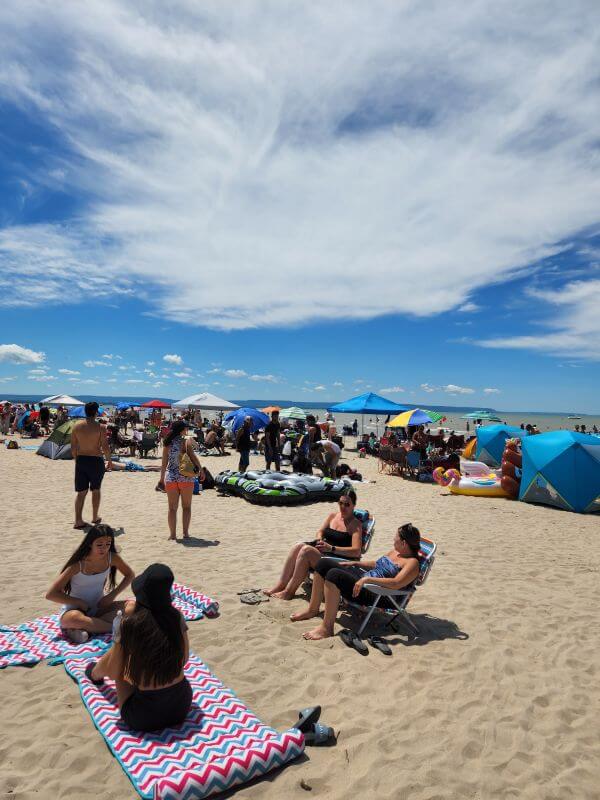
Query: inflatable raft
x=482 y=485
x=280 y=488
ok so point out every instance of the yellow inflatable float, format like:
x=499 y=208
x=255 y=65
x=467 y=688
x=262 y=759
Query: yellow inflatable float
x=487 y=485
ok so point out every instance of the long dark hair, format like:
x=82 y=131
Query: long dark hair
x=177 y=429
x=153 y=646
x=99 y=531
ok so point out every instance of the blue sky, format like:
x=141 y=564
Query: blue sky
x=416 y=215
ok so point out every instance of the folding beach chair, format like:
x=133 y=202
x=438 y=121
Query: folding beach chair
x=416 y=465
x=149 y=443
x=398 y=597
x=385 y=459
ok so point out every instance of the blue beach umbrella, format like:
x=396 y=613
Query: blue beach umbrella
x=235 y=419
x=79 y=412
x=122 y=405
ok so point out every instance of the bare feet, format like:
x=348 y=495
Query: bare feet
x=79 y=526
x=186 y=536
x=318 y=633
x=282 y=595
x=279 y=588
x=171 y=538
x=76 y=635
x=299 y=615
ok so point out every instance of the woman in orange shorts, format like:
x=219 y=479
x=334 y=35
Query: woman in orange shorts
x=176 y=484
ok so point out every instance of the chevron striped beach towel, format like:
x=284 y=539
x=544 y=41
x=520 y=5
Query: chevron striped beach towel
x=221 y=744
x=30 y=643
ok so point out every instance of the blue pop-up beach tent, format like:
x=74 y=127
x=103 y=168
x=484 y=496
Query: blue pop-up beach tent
x=562 y=469
x=79 y=412
x=491 y=440
x=235 y=419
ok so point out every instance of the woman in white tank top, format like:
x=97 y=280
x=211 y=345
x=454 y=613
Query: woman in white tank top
x=86 y=586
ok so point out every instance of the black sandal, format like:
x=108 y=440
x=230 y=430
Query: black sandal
x=352 y=640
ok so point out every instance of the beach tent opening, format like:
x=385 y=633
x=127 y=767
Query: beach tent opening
x=58 y=444
x=491 y=441
x=206 y=401
x=562 y=469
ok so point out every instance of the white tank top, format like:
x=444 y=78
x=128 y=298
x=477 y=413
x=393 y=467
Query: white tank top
x=90 y=587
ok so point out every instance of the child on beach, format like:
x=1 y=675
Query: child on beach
x=81 y=587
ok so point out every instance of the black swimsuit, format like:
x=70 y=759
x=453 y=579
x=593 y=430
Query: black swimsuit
x=337 y=539
x=154 y=709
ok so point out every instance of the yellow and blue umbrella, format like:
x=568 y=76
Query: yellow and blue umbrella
x=417 y=416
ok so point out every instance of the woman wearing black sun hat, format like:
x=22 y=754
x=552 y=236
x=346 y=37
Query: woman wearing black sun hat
x=148 y=656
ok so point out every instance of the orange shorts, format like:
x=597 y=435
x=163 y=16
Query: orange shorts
x=176 y=486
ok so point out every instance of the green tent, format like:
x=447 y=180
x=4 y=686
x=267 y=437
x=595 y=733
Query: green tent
x=58 y=444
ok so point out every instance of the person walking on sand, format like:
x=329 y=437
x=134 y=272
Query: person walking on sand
x=176 y=484
x=89 y=446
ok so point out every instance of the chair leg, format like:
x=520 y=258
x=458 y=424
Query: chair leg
x=403 y=613
x=368 y=616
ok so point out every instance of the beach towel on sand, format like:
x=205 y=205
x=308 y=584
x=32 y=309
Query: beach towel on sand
x=220 y=745
x=30 y=643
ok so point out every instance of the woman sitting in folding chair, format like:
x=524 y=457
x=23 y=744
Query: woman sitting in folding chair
x=398 y=569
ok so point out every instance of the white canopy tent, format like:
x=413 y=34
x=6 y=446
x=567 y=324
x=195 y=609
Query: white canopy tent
x=205 y=401
x=62 y=400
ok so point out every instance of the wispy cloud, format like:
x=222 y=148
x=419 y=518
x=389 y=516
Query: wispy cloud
x=573 y=330
x=392 y=389
x=15 y=354
x=69 y=372
x=235 y=373
x=91 y=363
x=429 y=388
x=266 y=378
x=247 y=166
x=491 y=391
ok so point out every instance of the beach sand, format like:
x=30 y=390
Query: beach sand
x=499 y=697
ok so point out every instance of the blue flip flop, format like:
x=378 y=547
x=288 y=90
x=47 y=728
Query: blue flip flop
x=319 y=734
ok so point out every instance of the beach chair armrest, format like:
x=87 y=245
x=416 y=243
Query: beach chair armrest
x=381 y=591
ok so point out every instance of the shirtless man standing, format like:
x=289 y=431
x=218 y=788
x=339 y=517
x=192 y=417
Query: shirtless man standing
x=88 y=444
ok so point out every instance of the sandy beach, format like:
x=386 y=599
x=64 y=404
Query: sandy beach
x=498 y=698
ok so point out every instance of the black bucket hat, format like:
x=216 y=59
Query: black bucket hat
x=152 y=589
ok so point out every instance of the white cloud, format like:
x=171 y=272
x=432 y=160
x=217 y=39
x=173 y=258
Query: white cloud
x=42 y=378
x=8 y=379
x=266 y=378
x=87 y=381
x=235 y=373
x=108 y=356
x=319 y=389
x=171 y=358
x=123 y=368
x=428 y=388
x=180 y=374
x=469 y=308
x=492 y=391
x=337 y=383
x=41 y=371
x=135 y=380
x=69 y=372
x=488 y=117
x=90 y=363
x=574 y=330
x=157 y=384
x=111 y=380
x=392 y=389
x=16 y=354
x=150 y=363
x=451 y=388
x=214 y=371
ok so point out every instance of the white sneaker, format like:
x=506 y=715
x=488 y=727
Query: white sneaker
x=76 y=635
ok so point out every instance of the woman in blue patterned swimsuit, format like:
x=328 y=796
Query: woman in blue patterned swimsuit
x=396 y=570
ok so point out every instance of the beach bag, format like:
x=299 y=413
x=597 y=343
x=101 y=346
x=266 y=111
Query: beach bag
x=186 y=465
x=12 y=445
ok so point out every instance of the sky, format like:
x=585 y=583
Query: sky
x=302 y=200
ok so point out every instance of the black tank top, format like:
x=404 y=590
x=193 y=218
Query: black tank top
x=337 y=538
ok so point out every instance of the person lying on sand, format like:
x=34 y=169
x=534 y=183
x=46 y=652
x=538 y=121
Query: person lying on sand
x=340 y=534
x=395 y=570
x=81 y=585
x=131 y=466
x=148 y=655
